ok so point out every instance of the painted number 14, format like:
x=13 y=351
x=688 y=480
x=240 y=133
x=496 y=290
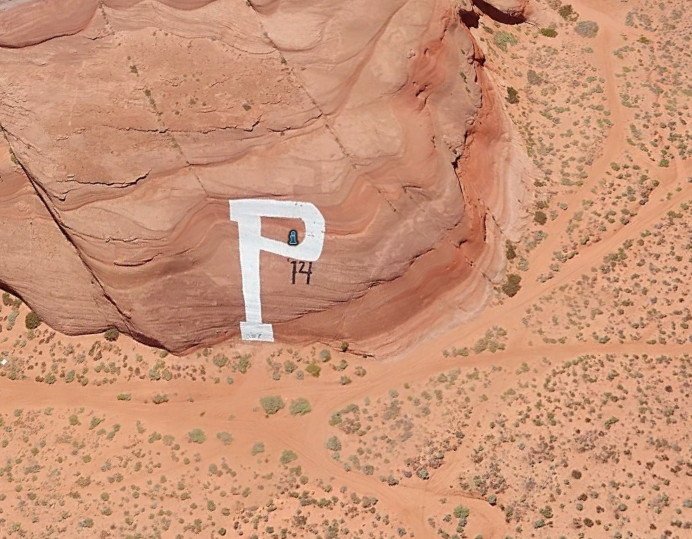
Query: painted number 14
x=299 y=268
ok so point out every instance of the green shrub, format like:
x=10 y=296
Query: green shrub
x=540 y=217
x=272 y=404
x=548 y=32
x=567 y=12
x=224 y=437
x=533 y=77
x=512 y=95
x=242 y=363
x=333 y=444
x=197 y=436
x=288 y=456
x=586 y=28
x=502 y=39
x=10 y=301
x=461 y=512
x=32 y=320
x=111 y=334
x=300 y=406
x=513 y=284
x=159 y=398
x=220 y=360
x=313 y=369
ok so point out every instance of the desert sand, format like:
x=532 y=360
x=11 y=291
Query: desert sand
x=528 y=378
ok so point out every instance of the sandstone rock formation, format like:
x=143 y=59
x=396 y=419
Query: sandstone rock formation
x=129 y=124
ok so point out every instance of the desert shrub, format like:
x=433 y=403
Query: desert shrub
x=423 y=474
x=257 y=448
x=333 y=444
x=548 y=32
x=197 y=436
x=289 y=366
x=313 y=369
x=567 y=12
x=512 y=95
x=224 y=437
x=533 y=77
x=502 y=39
x=540 y=217
x=159 y=398
x=111 y=334
x=220 y=360
x=300 y=406
x=9 y=301
x=510 y=250
x=124 y=396
x=271 y=404
x=32 y=320
x=513 y=284
x=344 y=346
x=325 y=355
x=288 y=456
x=586 y=28
x=242 y=363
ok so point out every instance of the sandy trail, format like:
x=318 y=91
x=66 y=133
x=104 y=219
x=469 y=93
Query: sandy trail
x=608 y=39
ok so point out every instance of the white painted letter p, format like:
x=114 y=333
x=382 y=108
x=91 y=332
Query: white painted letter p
x=248 y=214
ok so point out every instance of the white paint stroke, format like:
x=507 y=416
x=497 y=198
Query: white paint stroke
x=248 y=214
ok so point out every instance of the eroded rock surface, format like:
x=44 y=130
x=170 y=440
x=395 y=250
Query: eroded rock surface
x=128 y=125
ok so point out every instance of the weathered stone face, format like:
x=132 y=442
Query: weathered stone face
x=128 y=126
